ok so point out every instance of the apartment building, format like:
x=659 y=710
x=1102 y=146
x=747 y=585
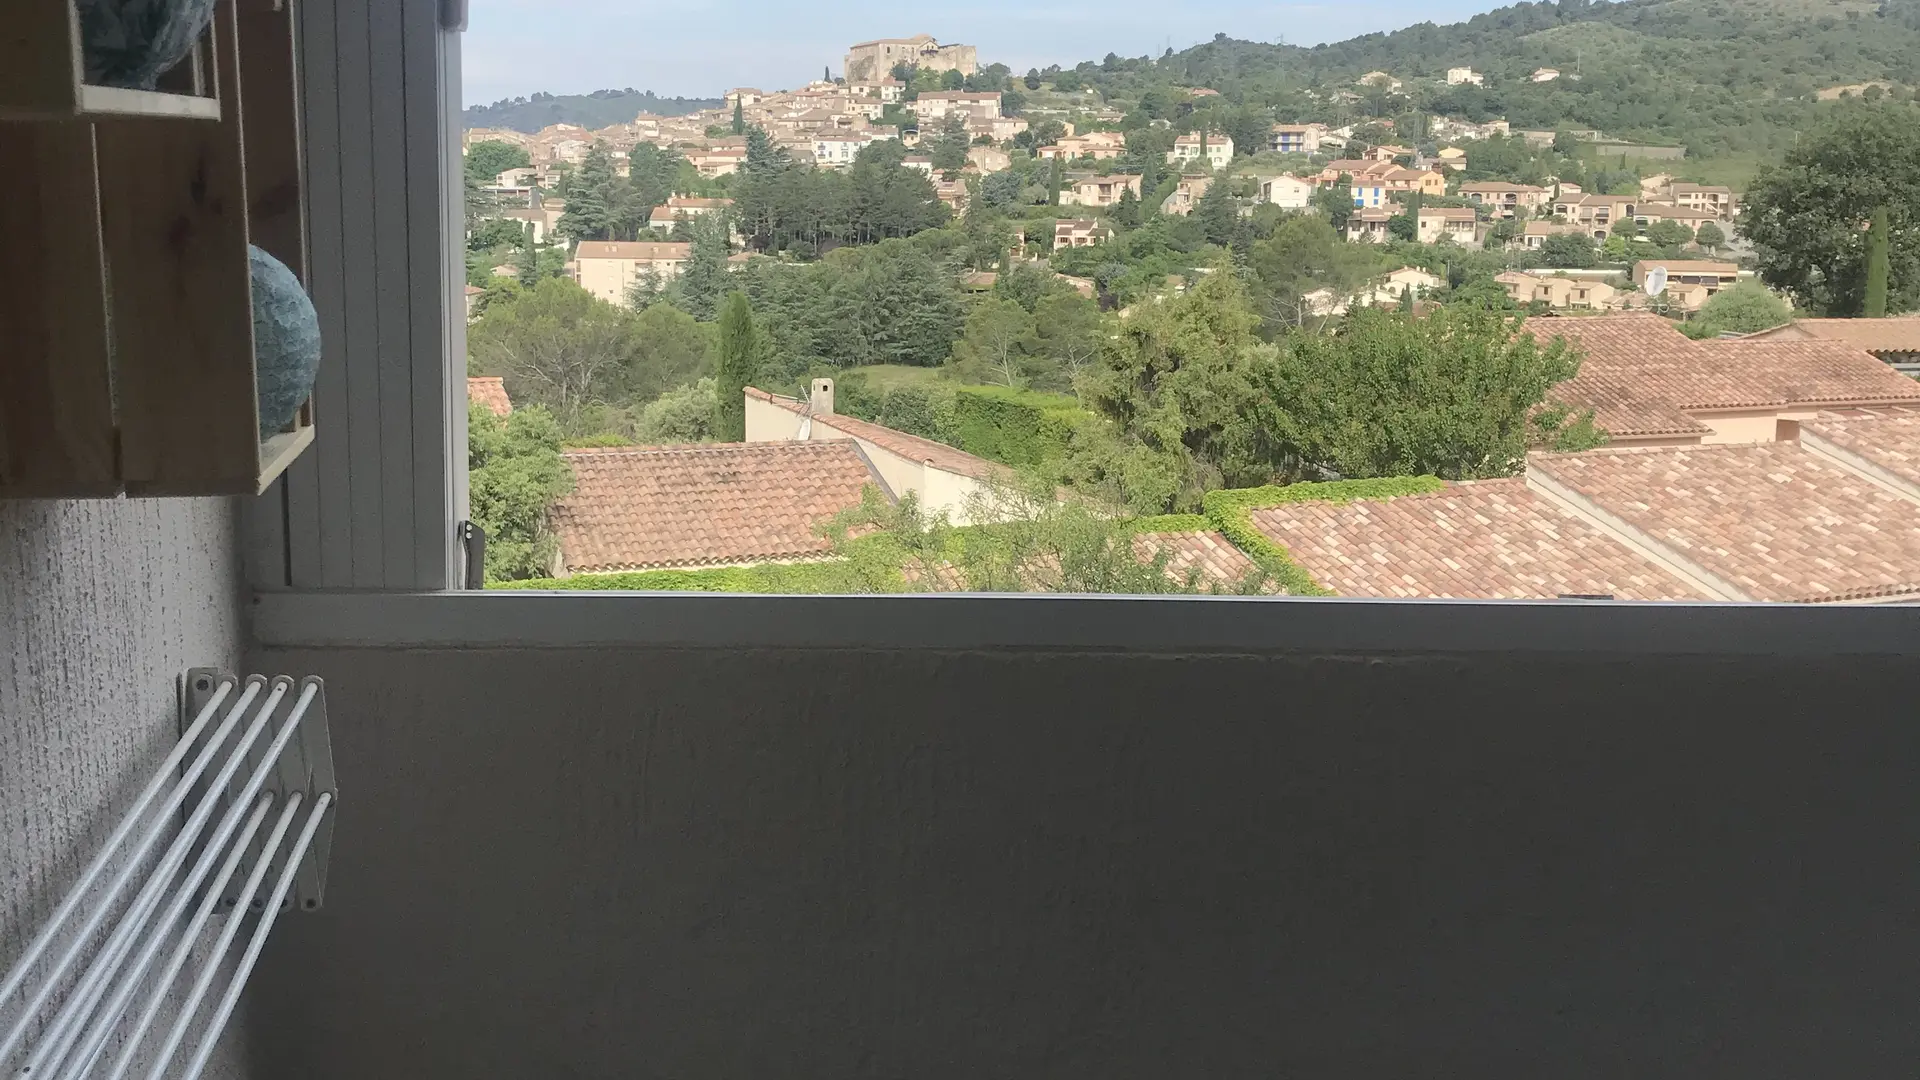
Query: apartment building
x=938 y=105
x=1458 y=224
x=1099 y=190
x=1558 y=291
x=1079 y=232
x=1100 y=145
x=609 y=269
x=1708 y=274
x=1215 y=149
x=1290 y=192
x=1505 y=200
x=1295 y=138
x=1598 y=214
x=1368 y=225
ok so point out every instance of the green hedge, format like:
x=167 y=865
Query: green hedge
x=1231 y=511
x=765 y=578
x=1015 y=427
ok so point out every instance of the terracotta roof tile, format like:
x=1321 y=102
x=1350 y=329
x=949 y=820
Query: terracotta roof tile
x=1638 y=372
x=727 y=503
x=1771 y=519
x=491 y=391
x=1888 y=440
x=627 y=249
x=1900 y=334
x=911 y=447
x=1218 y=562
x=1486 y=539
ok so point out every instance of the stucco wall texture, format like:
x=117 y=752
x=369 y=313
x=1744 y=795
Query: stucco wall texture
x=659 y=863
x=103 y=604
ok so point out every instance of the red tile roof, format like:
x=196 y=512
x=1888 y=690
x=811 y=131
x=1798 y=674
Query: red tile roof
x=911 y=447
x=491 y=391
x=1889 y=441
x=1217 y=562
x=1771 y=519
x=635 y=508
x=1638 y=373
x=1900 y=334
x=1486 y=539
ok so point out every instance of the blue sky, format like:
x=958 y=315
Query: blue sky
x=701 y=48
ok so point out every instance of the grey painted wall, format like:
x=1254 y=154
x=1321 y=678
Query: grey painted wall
x=649 y=863
x=102 y=605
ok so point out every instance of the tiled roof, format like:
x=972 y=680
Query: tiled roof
x=911 y=447
x=491 y=391
x=639 y=507
x=1449 y=213
x=622 y=249
x=1486 y=539
x=1689 y=266
x=1219 y=564
x=1501 y=187
x=1900 y=334
x=1771 y=519
x=1637 y=369
x=1889 y=440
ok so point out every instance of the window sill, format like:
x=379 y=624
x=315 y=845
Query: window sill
x=1133 y=624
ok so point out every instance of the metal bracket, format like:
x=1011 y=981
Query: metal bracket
x=306 y=767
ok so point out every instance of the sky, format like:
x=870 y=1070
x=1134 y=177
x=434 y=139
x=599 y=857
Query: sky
x=702 y=48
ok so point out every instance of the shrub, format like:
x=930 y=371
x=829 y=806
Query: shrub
x=817 y=577
x=1231 y=511
x=1014 y=427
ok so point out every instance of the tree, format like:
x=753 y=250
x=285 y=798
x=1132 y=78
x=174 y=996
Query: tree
x=1572 y=251
x=1055 y=175
x=1874 y=306
x=1002 y=189
x=1033 y=78
x=1217 y=213
x=670 y=348
x=1669 y=234
x=952 y=80
x=739 y=118
x=1068 y=330
x=514 y=474
x=1455 y=393
x=1709 y=236
x=1175 y=389
x=1807 y=217
x=1126 y=213
x=1744 y=309
x=1305 y=255
x=949 y=147
x=739 y=366
x=684 y=414
x=1336 y=202
x=703 y=281
x=1402 y=227
x=488 y=158
x=995 y=348
x=558 y=346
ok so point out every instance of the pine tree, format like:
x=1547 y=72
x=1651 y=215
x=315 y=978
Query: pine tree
x=1126 y=213
x=739 y=118
x=705 y=277
x=739 y=353
x=1875 y=306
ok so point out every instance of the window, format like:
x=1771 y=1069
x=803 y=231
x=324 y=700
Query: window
x=708 y=347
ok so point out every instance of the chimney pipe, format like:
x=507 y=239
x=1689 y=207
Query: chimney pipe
x=822 y=397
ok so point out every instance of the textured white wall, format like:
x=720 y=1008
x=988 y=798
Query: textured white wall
x=102 y=606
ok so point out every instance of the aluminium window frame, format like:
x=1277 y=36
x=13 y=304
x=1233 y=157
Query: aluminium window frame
x=356 y=546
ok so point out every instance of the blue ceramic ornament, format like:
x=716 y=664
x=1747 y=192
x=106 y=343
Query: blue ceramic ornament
x=132 y=43
x=286 y=340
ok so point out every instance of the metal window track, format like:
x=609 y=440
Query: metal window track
x=98 y=991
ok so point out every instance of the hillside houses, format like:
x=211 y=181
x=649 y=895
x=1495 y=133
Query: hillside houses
x=1505 y=200
x=1457 y=224
x=1214 y=149
x=1099 y=190
x=1288 y=192
x=1099 y=145
x=610 y=269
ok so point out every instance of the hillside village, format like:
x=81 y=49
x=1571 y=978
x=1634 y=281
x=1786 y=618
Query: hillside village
x=988 y=250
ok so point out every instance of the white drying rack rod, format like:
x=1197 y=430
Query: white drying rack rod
x=97 y=993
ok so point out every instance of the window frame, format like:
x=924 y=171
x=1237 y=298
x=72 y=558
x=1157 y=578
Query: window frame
x=357 y=545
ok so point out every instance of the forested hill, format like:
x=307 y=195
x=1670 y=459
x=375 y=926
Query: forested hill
x=1721 y=76
x=596 y=110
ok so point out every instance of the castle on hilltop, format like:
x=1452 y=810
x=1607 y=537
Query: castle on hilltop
x=874 y=59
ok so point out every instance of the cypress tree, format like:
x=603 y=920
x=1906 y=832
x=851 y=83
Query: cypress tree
x=1055 y=174
x=739 y=353
x=739 y=118
x=1875 y=306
